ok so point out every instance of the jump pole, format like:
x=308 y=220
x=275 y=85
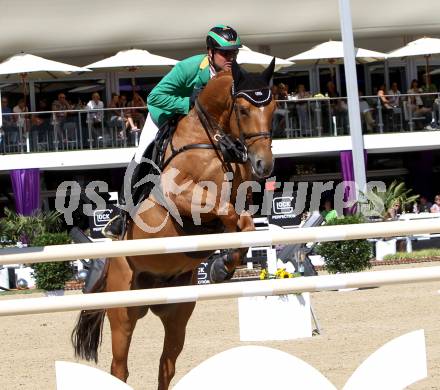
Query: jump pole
x=216 y=241
x=216 y=291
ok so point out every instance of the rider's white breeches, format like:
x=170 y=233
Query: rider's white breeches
x=147 y=137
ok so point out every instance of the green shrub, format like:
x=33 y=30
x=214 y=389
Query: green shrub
x=346 y=256
x=421 y=254
x=53 y=275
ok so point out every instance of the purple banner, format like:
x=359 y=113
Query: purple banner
x=347 y=170
x=26 y=187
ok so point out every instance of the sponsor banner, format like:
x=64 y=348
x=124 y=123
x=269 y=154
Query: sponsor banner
x=100 y=218
x=282 y=213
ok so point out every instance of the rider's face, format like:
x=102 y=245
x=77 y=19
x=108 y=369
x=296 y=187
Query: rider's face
x=223 y=58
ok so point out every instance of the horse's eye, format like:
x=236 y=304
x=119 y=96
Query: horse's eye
x=244 y=111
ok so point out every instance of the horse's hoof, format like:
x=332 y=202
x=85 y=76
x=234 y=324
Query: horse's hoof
x=218 y=272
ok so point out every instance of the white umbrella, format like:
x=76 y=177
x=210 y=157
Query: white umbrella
x=29 y=66
x=255 y=61
x=133 y=60
x=420 y=47
x=332 y=52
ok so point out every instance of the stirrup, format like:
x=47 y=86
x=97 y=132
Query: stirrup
x=113 y=229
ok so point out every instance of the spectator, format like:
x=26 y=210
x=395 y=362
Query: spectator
x=416 y=103
x=339 y=107
x=8 y=133
x=394 y=211
x=428 y=87
x=424 y=206
x=384 y=101
x=6 y=119
x=95 y=115
x=283 y=91
x=127 y=113
x=117 y=119
x=302 y=107
x=138 y=114
x=59 y=118
x=366 y=113
x=21 y=120
x=328 y=213
x=435 y=208
x=394 y=98
x=40 y=125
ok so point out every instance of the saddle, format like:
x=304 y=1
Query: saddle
x=155 y=156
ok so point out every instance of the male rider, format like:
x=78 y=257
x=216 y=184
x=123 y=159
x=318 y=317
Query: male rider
x=174 y=94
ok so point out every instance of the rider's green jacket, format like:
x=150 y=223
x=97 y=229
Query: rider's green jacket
x=172 y=95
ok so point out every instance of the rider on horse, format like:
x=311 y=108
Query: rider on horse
x=175 y=94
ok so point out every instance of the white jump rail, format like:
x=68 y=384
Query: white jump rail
x=215 y=241
x=216 y=291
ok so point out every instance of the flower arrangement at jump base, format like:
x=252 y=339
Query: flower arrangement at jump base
x=284 y=271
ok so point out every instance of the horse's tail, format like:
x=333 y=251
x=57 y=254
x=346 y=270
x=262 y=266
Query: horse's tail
x=87 y=334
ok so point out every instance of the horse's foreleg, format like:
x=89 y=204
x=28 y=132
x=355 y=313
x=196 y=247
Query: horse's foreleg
x=174 y=319
x=245 y=223
x=122 y=323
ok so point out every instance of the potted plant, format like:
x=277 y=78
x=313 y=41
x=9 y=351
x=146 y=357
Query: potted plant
x=52 y=276
x=345 y=256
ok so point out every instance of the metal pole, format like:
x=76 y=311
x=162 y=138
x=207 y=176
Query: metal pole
x=149 y=246
x=170 y=295
x=357 y=140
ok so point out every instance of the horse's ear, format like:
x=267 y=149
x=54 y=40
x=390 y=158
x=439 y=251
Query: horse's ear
x=237 y=73
x=268 y=72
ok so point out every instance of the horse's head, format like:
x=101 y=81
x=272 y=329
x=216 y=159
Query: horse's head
x=251 y=118
x=241 y=107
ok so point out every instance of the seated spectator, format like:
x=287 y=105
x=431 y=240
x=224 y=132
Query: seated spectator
x=394 y=211
x=435 y=208
x=366 y=113
x=428 y=87
x=339 y=107
x=328 y=213
x=40 y=125
x=138 y=114
x=283 y=91
x=127 y=113
x=95 y=115
x=423 y=206
x=394 y=98
x=117 y=119
x=384 y=101
x=60 y=105
x=21 y=120
x=415 y=102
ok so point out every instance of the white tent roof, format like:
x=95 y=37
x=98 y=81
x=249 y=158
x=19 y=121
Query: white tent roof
x=35 y=67
x=419 y=47
x=133 y=59
x=334 y=50
x=255 y=61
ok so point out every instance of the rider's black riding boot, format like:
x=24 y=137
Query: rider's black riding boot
x=96 y=268
x=116 y=226
x=217 y=271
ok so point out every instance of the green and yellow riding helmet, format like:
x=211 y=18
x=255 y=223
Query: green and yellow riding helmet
x=223 y=37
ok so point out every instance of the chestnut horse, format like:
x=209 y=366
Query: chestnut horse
x=238 y=105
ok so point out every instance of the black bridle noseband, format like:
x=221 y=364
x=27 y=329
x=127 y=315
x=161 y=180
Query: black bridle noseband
x=227 y=148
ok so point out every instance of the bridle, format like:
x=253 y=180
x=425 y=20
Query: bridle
x=220 y=141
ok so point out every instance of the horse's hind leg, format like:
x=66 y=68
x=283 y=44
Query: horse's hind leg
x=122 y=323
x=174 y=318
